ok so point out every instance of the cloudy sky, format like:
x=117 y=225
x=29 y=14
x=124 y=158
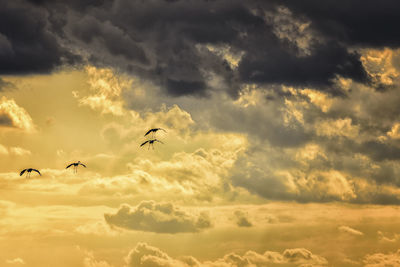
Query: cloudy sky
x=282 y=142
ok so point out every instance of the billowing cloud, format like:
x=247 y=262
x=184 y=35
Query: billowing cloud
x=146 y=255
x=157 y=217
x=14 y=116
x=105 y=91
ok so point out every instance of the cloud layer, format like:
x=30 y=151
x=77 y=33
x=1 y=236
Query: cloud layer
x=145 y=255
x=179 y=44
x=157 y=217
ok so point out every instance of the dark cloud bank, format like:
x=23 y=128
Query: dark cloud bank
x=157 y=39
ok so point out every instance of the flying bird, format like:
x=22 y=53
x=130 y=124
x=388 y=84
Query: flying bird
x=151 y=143
x=153 y=131
x=76 y=164
x=28 y=172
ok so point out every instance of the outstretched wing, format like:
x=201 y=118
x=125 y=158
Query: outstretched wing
x=69 y=165
x=144 y=143
x=36 y=171
x=22 y=172
x=82 y=164
x=158 y=141
x=149 y=131
x=161 y=129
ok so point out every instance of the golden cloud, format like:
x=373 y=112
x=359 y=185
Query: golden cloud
x=382 y=260
x=379 y=65
x=14 y=116
x=339 y=127
x=145 y=255
x=349 y=230
x=16 y=261
x=106 y=88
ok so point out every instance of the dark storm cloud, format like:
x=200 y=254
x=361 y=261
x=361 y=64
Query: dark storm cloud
x=26 y=45
x=361 y=23
x=278 y=66
x=158 y=40
x=112 y=38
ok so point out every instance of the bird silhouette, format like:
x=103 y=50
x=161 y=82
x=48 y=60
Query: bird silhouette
x=153 y=131
x=28 y=172
x=151 y=143
x=76 y=164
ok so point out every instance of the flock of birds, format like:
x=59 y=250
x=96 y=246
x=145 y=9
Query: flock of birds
x=75 y=165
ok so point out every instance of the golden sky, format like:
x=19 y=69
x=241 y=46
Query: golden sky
x=255 y=169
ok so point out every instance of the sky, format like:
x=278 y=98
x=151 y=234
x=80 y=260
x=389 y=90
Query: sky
x=281 y=145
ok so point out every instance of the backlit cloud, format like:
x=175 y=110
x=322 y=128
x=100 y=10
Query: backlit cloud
x=106 y=89
x=14 y=116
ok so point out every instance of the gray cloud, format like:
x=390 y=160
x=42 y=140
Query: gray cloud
x=26 y=44
x=242 y=219
x=157 y=217
x=158 y=40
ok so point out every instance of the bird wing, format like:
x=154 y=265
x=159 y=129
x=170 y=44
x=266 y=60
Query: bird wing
x=82 y=164
x=149 y=131
x=22 y=172
x=158 y=141
x=144 y=143
x=162 y=129
x=69 y=165
x=36 y=171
